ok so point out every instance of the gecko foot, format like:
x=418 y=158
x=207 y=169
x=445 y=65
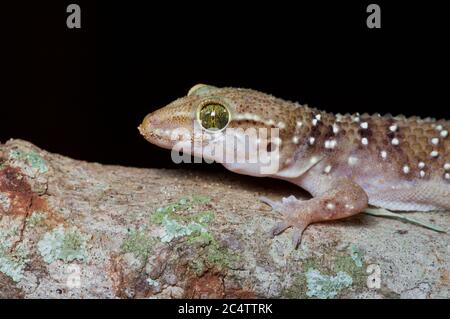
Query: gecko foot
x=289 y=208
x=344 y=198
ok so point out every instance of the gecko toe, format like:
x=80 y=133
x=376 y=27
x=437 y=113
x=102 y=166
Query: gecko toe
x=275 y=205
x=279 y=228
x=297 y=236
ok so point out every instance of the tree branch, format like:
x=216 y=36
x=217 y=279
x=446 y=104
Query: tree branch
x=74 y=229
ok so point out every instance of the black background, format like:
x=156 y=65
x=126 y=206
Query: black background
x=83 y=92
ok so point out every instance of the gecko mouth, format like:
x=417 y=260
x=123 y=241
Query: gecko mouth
x=161 y=133
x=149 y=128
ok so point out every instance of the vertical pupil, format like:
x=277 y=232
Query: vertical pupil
x=214 y=116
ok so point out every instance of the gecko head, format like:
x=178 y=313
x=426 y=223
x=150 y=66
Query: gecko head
x=182 y=120
x=219 y=124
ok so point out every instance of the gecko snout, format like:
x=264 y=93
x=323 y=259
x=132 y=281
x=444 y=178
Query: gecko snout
x=161 y=129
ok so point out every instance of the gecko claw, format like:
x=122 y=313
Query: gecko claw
x=297 y=236
x=279 y=228
x=296 y=232
x=275 y=205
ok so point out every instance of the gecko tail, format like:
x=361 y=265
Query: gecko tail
x=381 y=212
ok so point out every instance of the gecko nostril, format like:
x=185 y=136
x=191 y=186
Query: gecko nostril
x=150 y=121
x=147 y=125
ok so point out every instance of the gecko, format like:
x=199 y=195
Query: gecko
x=346 y=162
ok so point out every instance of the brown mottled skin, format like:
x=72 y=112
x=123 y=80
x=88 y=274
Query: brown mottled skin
x=345 y=161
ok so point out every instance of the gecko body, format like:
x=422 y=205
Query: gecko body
x=346 y=162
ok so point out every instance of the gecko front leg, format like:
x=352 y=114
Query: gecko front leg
x=343 y=198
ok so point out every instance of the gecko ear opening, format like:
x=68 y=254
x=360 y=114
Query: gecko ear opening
x=201 y=90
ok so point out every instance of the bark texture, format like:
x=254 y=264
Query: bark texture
x=71 y=229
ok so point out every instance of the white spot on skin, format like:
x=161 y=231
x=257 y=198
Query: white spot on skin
x=352 y=160
x=314 y=160
x=439 y=127
x=331 y=206
x=314 y=122
x=393 y=128
x=421 y=165
x=434 y=154
x=364 y=125
x=355 y=117
x=444 y=133
x=312 y=140
x=395 y=141
x=406 y=169
x=447 y=175
x=435 y=141
x=350 y=207
x=299 y=124
x=327 y=169
x=335 y=128
x=383 y=154
x=295 y=140
x=318 y=117
x=447 y=166
x=281 y=125
x=330 y=144
x=364 y=141
x=422 y=174
x=213 y=113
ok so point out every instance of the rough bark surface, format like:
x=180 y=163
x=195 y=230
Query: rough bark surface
x=71 y=229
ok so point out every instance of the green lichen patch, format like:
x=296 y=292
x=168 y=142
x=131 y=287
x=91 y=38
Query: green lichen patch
x=329 y=274
x=219 y=257
x=352 y=263
x=181 y=220
x=63 y=244
x=152 y=283
x=197 y=266
x=177 y=220
x=356 y=255
x=211 y=254
x=12 y=263
x=174 y=229
x=324 y=286
x=31 y=158
x=138 y=243
x=297 y=289
x=184 y=204
x=5 y=202
x=35 y=219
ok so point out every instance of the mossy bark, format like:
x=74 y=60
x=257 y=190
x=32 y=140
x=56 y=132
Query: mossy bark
x=75 y=229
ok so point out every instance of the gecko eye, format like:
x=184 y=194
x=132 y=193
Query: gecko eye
x=213 y=116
